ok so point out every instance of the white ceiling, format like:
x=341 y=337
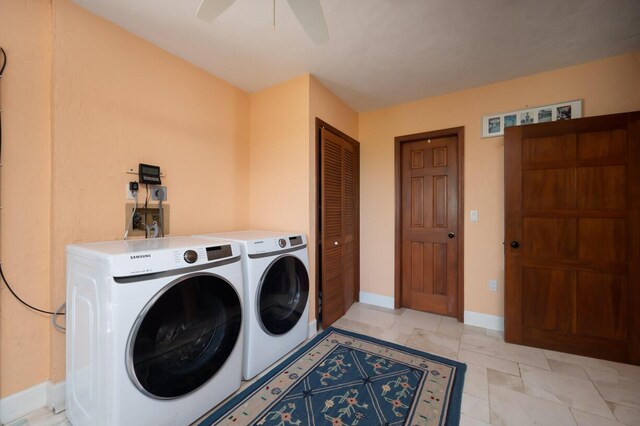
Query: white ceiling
x=385 y=52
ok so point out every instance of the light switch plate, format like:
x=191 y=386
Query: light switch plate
x=473 y=215
x=493 y=285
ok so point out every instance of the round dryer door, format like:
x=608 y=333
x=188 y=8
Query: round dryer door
x=282 y=295
x=184 y=336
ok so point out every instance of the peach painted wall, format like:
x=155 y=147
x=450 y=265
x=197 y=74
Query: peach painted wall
x=607 y=86
x=278 y=170
x=25 y=181
x=282 y=156
x=118 y=101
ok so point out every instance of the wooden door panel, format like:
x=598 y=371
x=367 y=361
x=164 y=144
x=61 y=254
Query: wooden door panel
x=417 y=202
x=549 y=238
x=604 y=144
x=548 y=189
x=547 y=293
x=548 y=149
x=440 y=157
x=417 y=267
x=602 y=188
x=429 y=214
x=601 y=311
x=439 y=266
x=603 y=240
x=440 y=207
x=572 y=203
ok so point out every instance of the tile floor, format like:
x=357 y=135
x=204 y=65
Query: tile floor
x=505 y=384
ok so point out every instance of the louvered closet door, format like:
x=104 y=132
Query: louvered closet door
x=338 y=188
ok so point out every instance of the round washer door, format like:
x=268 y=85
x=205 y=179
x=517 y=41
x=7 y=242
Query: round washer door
x=184 y=335
x=282 y=295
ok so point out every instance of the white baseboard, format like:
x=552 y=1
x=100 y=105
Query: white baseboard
x=313 y=329
x=56 y=396
x=491 y=322
x=377 y=300
x=21 y=403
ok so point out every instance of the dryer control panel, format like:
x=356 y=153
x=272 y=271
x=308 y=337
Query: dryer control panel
x=277 y=244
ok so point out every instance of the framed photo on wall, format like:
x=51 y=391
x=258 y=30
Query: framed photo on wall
x=494 y=124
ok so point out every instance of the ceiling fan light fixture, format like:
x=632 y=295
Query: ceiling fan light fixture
x=211 y=9
x=308 y=12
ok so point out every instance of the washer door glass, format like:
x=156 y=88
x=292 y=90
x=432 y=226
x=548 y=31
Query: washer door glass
x=184 y=336
x=282 y=295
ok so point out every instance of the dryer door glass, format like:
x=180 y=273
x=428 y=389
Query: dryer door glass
x=184 y=336
x=282 y=294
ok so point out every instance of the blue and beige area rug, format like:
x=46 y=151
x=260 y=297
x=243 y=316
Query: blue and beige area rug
x=344 y=378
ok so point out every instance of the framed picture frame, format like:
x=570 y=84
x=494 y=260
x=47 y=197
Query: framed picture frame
x=494 y=124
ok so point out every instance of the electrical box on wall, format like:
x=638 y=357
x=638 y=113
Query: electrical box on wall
x=146 y=216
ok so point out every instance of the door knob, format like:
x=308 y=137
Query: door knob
x=451 y=235
x=335 y=243
x=515 y=244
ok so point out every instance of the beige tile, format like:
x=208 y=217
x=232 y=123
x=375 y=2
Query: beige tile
x=475 y=381
x=361 y=305
x=509 y=407
x=625 y=415
x=475 y=407
x=616 y=388
x=582 y=361
x=411 y=319
x=450 y=327
x=470 y=421
x=472 y=329
x=567 y=369
x=493 y=347
x=588 y=419
x=567 y=390
x=488 y=361
x=499 y=335
x=626 y=370
x=361 y=313
x=434 y=343
x=500 y=379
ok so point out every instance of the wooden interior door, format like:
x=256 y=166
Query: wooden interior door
x=572 y=236
x=339 y=190
x=430 y=240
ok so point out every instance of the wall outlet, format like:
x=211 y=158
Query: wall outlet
x=129 y=194
x=493 y=285
x=473 y=215
x=158 y=192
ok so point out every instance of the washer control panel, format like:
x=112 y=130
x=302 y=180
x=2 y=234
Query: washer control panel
x=190 y=256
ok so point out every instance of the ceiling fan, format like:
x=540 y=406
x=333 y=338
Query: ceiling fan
x=308 y=12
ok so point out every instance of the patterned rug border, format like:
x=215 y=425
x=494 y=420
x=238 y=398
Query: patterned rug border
x=455 y=403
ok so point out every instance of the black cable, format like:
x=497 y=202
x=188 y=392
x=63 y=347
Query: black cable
x=4 y=61
x=4 y=64
x=22 y=301
x=146 y=202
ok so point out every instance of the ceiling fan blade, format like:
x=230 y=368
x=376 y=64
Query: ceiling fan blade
x=211 y=9
x=311 y=17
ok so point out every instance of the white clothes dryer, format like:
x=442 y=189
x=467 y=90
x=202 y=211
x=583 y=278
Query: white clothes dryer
x=154 y=330
x=276 y=289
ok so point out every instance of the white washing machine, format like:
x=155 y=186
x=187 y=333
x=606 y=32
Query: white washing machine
x=153 y=330
x=276 y=289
